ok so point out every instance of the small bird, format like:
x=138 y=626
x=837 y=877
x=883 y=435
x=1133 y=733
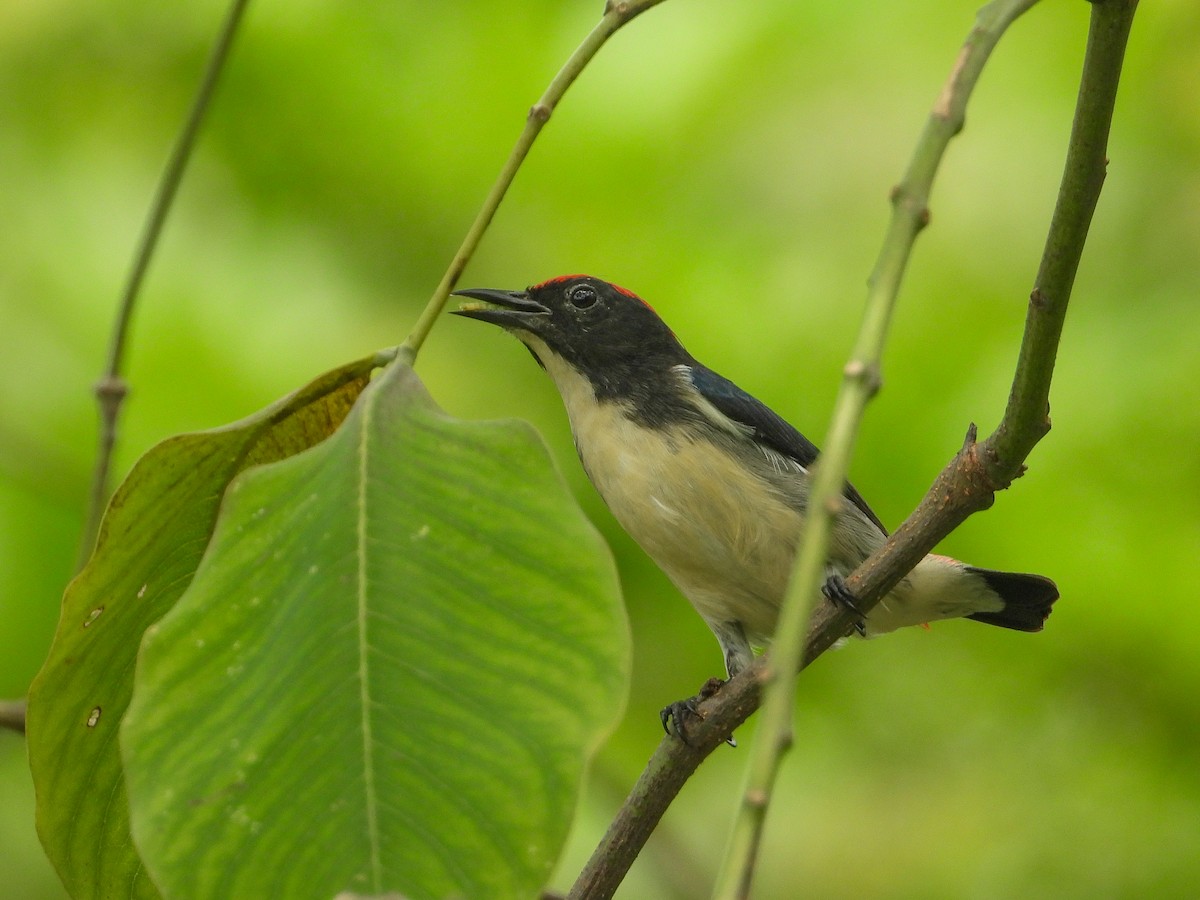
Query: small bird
x=709 y=481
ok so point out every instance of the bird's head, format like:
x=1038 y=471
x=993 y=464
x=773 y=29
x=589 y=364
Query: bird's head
x=604 y=332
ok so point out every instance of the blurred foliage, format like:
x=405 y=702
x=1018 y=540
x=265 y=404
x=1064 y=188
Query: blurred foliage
x=731 y=164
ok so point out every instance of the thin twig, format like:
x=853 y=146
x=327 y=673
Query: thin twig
x=861 y=380
x=615 y=16
x=965 y=486
x=111 y=388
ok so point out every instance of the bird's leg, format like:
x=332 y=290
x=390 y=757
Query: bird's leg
x=839 y=595
x=738 y=655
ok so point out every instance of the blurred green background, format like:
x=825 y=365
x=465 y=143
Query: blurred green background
x=731 y=163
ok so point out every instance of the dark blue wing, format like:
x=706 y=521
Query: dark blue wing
x=769 y=427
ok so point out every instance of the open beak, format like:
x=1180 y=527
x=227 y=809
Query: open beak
x=509 y=309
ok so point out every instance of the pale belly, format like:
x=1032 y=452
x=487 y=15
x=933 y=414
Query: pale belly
x=724 y=537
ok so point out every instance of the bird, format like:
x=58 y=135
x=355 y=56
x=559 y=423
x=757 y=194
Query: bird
x=712 y=483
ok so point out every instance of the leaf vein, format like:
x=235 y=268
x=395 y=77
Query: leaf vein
x=372 y=813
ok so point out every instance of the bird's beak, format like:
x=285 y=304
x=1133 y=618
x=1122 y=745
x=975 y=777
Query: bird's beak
x=509 y=309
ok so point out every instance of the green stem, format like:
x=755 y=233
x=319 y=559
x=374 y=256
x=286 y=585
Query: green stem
x=1026 y=419
x=955 y=494
x=615 y=16
x=861 y=380
x=111 y=388
x=969 y=482
x=959 y=490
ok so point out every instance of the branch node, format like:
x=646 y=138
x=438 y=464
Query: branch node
x=970 y=439
x=623 y=10
x=903 y=198
x=984 y=474
x=110 y=391
x=756 y=799
x=866 y=374
x=540 y=112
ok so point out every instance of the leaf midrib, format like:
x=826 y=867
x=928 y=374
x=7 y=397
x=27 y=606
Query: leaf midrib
x=364 y=689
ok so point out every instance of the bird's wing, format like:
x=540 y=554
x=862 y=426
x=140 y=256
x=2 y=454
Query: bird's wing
x=765 y=426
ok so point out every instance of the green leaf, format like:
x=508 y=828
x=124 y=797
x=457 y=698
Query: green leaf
x=152 y=538
x=387 y=673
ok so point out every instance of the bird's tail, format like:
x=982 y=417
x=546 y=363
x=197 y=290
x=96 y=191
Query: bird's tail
x=1027 y=599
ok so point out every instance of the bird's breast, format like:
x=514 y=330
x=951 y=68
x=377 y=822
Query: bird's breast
x=696 y=507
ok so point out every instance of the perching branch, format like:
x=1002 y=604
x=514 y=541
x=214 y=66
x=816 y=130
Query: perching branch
x=111 y=388
x=616 y=14
x=910 y=213
x=968 y=483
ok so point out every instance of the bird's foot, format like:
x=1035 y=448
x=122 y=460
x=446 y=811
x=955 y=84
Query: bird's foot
x=839 y=595
x=675 y=716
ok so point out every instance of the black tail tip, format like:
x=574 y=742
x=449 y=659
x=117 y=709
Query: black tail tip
x=1027 y=599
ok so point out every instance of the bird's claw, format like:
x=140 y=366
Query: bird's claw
x=837 y=593
x=677 y=714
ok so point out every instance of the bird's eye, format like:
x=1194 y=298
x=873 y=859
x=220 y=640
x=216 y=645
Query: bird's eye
x=582 y=296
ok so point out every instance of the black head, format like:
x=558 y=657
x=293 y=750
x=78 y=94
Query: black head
x=607 y=333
